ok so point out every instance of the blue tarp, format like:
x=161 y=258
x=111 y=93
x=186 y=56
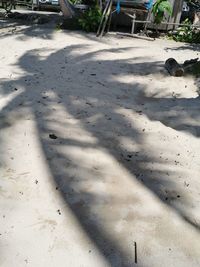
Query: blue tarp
x=140 y=3
x=149 y=4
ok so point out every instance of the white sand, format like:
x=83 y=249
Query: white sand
x=126 y=164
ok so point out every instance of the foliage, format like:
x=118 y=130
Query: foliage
x=187 y=33
x=90 y=19
x=192 y=1
x=159 y=9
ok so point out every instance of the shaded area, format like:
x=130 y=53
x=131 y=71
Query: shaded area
x=91 y=111
x=35 y=25
x=24 y=30
x=181 y=114
x=185 y=46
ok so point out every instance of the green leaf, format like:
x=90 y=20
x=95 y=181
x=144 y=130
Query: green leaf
x=159 y=9
x=166 y=6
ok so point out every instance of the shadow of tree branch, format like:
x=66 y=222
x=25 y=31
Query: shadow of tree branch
x=91 y=126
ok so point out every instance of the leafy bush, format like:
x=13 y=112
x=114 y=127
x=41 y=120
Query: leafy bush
x=186 y=33
x=159 y=9
x=90 y=19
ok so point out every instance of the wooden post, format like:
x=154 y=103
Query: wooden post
x=178 y=7
x=133 y=23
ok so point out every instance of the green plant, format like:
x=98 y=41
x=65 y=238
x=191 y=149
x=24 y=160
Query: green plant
x=159 y=9
x=186 y=33
x=90 y=19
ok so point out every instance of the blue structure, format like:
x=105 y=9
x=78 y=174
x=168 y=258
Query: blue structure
x=149 y=4
x=140 y=3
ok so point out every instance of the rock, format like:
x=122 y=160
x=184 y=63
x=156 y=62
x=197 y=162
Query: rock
x=53 y=136
x=59 y=212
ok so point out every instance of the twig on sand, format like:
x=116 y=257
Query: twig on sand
x=135 y=244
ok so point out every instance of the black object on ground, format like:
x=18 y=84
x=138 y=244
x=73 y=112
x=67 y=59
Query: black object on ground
x=135 y=252
x=174 y=68
x=53 y=136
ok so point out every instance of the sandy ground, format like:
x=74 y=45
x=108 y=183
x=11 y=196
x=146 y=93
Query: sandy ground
x=123 y=166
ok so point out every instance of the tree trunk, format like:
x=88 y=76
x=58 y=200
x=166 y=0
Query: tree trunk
x=196 y=21
x=174 y=68
x=67 y=8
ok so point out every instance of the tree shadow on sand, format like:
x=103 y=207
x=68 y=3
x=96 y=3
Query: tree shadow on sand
x=94 y=123
x=23 y=29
